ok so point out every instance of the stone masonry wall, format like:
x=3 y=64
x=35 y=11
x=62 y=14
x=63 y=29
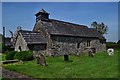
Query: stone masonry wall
x=98 y=45
x=74 y=45
x=59 y=45
x=41 y=28
x=21 y=43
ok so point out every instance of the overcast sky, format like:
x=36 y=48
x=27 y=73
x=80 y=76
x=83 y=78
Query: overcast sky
x=84 y=13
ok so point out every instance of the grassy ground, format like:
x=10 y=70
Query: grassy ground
x=2 y=57
x=101 y=66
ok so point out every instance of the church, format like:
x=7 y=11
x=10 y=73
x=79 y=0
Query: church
x=57 y=37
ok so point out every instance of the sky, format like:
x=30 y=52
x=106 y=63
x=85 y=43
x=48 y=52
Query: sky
x=22 y=14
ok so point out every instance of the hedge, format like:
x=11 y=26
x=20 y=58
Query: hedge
x=112 y=45
x=24 y=55
x=10 y=55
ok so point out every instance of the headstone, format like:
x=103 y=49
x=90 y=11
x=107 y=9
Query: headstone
x=91 y=52
x=41 y=59
x=66 y=58
x=110 y=51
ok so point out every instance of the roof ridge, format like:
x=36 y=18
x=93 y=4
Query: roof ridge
x=28 y=31
x=69 y=23
x=43 y=11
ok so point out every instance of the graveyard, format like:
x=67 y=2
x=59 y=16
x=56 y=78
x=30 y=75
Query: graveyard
x=55 y=47
x=100 y=66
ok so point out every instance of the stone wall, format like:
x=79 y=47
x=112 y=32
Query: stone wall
x=41 y=28
x=61 y=48
x=98 y=45
x=74 y=45
x=59 y=45
x=20 y=43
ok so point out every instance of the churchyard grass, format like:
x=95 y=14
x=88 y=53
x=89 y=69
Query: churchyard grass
x=2 y=57
x=100 y=66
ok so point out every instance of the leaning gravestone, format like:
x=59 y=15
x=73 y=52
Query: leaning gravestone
x=90 y=52
x=40 y=58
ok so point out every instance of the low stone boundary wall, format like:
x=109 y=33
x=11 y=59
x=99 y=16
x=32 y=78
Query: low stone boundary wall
x=9 y=61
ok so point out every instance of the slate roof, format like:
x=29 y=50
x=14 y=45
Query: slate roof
x=56 y=27
x=33 y=37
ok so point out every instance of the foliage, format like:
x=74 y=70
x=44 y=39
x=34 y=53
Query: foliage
x=100 y=66
x=24 y=55
x=118 y=42
x=5 y=48
x=10 y=55
x=101 y=28
x=0 y=47
x=2 y=57
x=112 y=45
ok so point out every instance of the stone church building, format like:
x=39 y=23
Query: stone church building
x=58 y=37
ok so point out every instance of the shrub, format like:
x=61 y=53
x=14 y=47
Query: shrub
x=10 y=55
x=24 y=56
x=6 y=48
x=112 y=45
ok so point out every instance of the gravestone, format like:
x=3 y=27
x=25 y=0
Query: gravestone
x=66 y=58
x=40 y=58
x=91 y=51
x=110 y=51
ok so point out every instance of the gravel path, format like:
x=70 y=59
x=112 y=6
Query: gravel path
x=14 y=75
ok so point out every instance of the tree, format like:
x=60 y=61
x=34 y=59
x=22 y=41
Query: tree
x=101 y=28
x=118 y=42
